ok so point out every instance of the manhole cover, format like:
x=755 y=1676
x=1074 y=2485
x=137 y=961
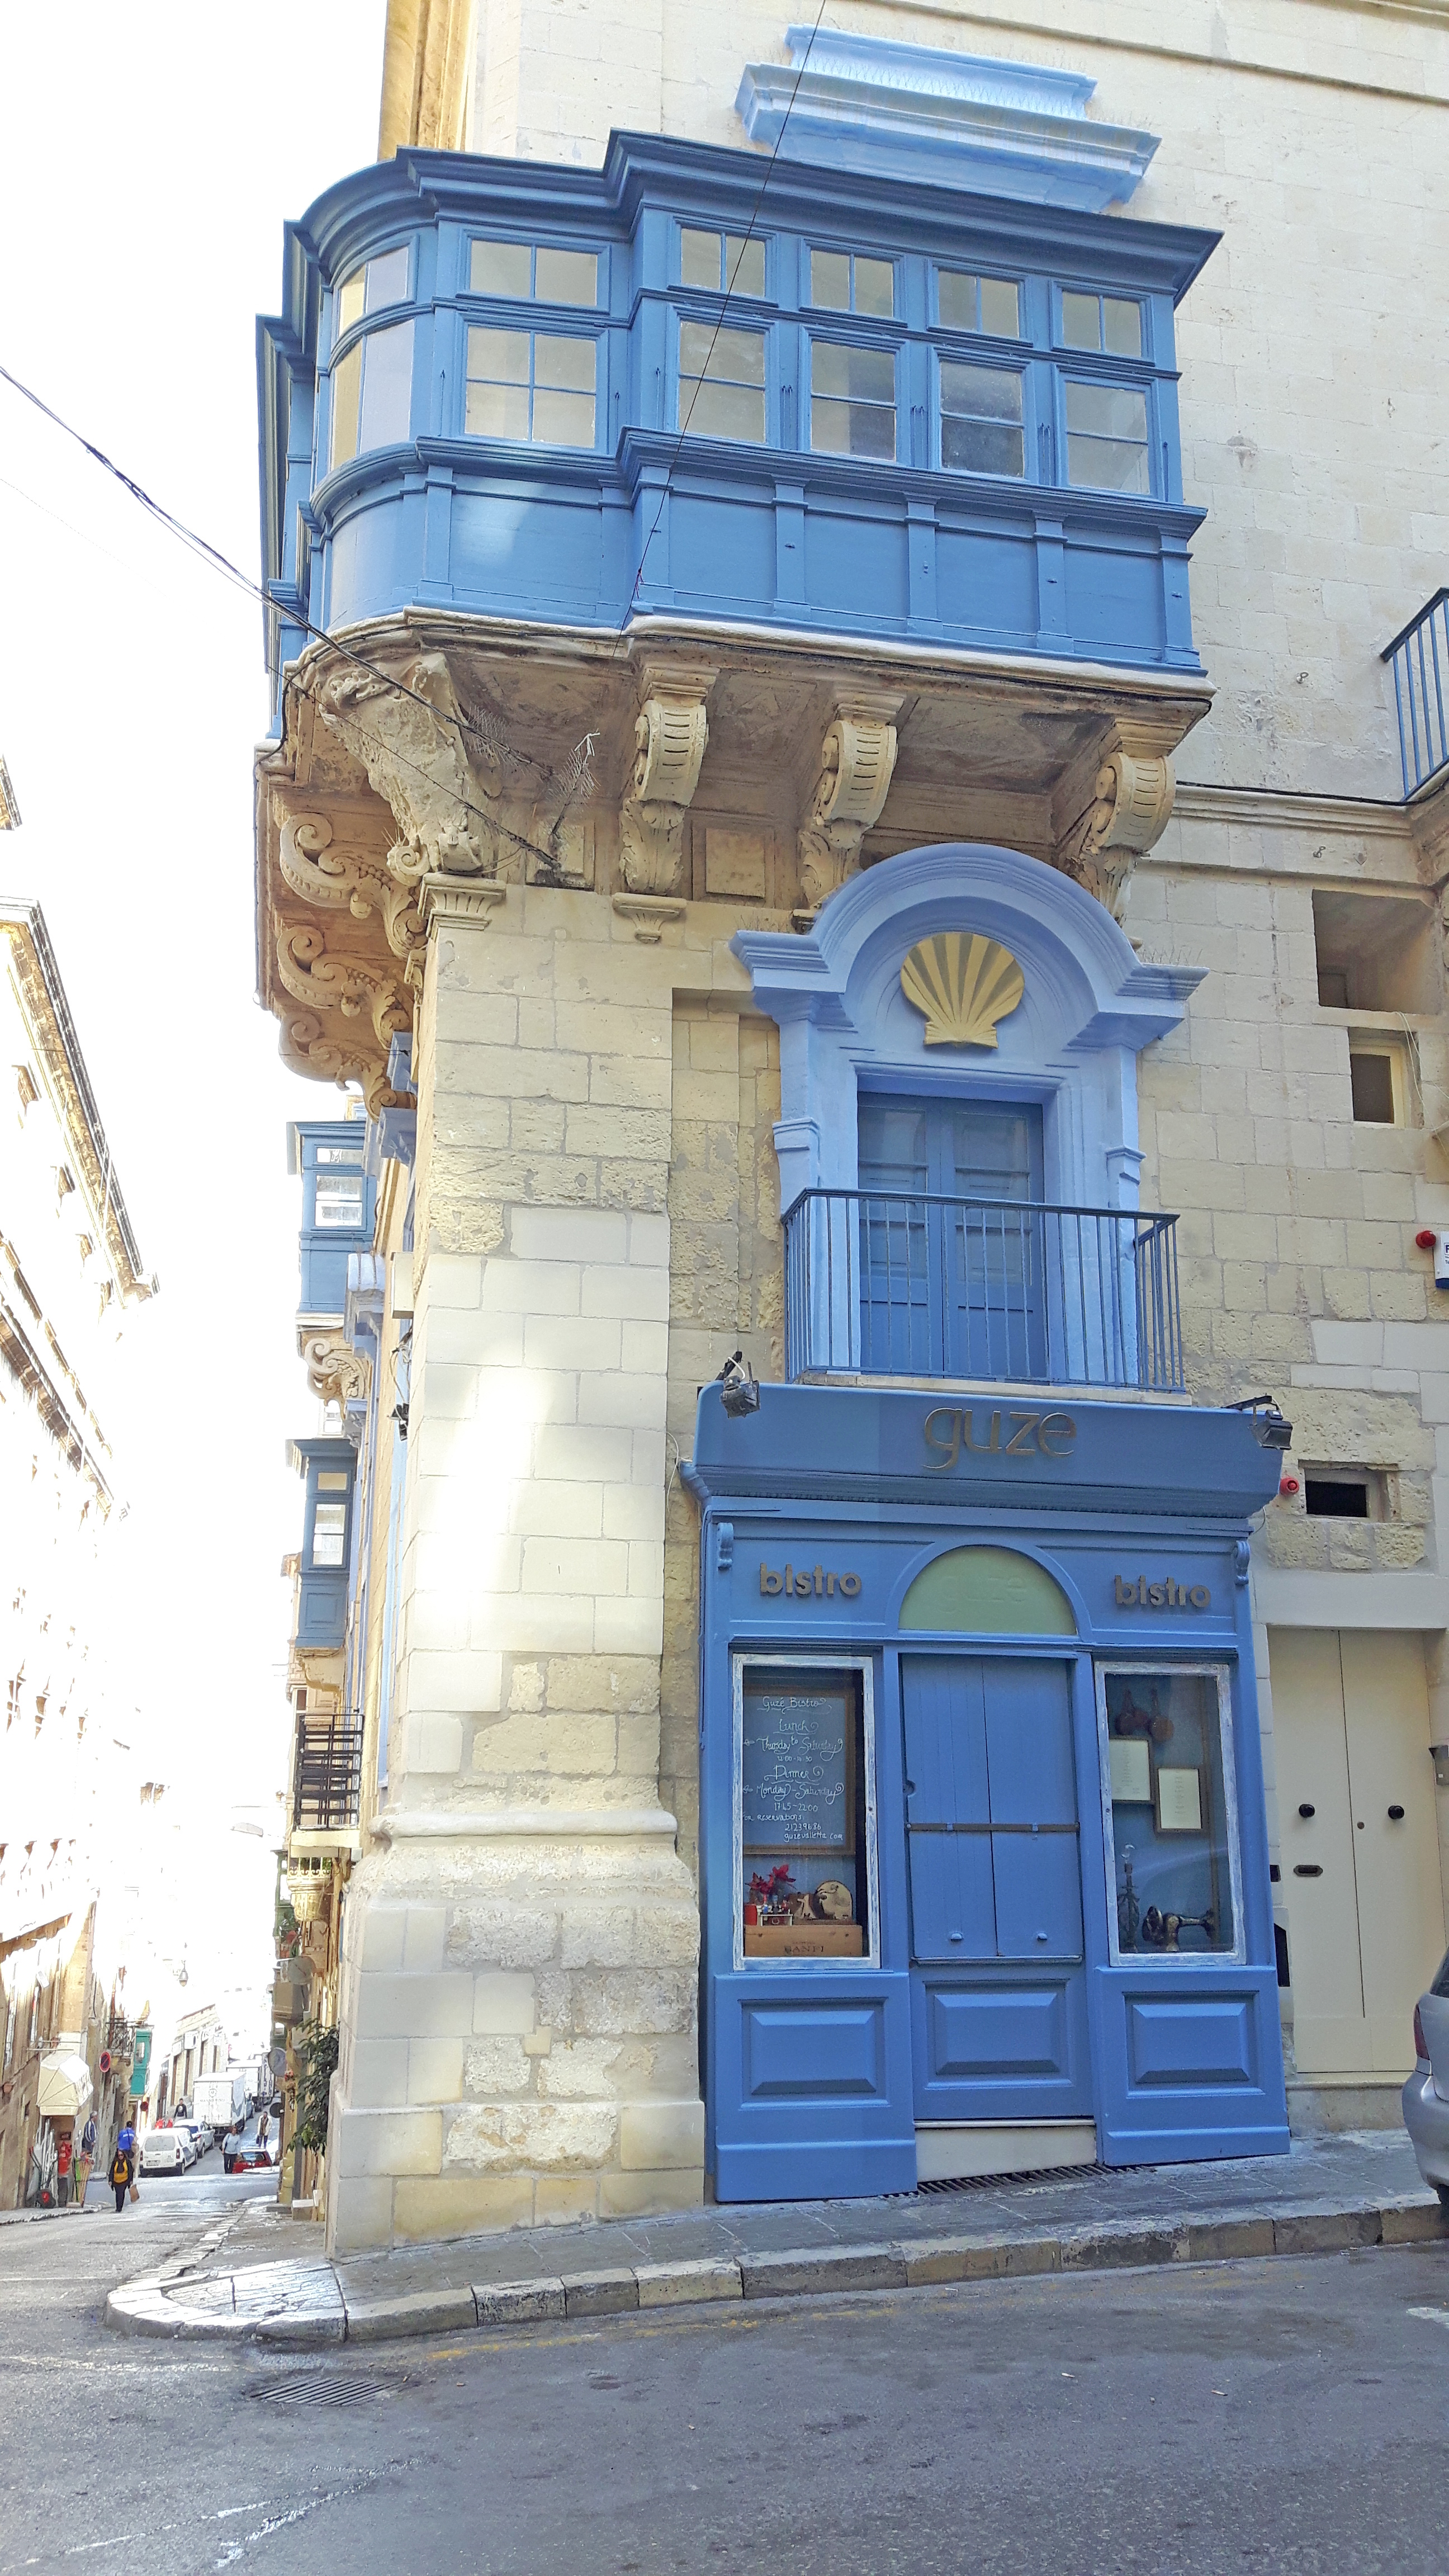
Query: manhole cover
x=319 y=2388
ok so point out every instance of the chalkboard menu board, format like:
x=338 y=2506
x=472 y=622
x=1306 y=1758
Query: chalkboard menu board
x=799 y=1762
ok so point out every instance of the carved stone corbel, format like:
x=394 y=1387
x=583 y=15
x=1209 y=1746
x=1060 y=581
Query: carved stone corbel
x=330 y=980
x=669 y=743
x=857 y=763
x=1115 y=803
x=420 y=754
x=330 y=874
x=336 y=1373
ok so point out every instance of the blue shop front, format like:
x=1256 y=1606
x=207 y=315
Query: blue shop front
x=984 y=1859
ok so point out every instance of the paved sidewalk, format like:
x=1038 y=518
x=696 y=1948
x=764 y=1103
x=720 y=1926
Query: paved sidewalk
x=1351 y=2188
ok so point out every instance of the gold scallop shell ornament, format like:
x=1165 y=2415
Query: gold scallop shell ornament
x=964 y=984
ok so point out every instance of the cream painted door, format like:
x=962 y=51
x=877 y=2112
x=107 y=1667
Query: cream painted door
x=1361 y=1887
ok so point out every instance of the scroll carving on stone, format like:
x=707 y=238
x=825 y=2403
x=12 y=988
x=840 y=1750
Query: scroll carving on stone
x=857 y=763
x=334 y=981
x=336 y=1373
x=1122 y=812
x=329 y=874
x=435 y=772
x=670 y=739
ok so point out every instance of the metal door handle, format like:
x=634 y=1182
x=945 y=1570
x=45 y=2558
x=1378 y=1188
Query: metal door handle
x=1396 y=1815
x=1307 y=1811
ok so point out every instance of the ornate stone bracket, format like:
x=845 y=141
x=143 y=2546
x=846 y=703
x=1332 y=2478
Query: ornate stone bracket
x=1114 y=804
x=336 y=1373
x=857 y=762
x=669 y=739
x=434 y=770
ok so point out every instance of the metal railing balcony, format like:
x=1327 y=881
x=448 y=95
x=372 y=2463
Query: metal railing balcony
x=1419 y=655
x=327 y=1775
x=887 y=1283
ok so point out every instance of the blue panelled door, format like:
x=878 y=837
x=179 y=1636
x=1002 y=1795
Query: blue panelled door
x=950 y=1248
x=998 y=1982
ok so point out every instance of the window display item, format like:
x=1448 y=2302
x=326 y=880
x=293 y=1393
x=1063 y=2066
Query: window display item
x=1131 y=1767
x=1177 y=1801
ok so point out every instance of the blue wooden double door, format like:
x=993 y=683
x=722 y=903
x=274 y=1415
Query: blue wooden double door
x=998 y=1977
x=952 y=1237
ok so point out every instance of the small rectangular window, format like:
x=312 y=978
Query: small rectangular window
x=721 y=382
x=371 y=288
x=529 y=385
x=970 y=303
x=981 y=420
x=1111 y=323
x=842 y=281
x=534 y=271
x=339 y=1199
x=329 y=1533
x=1336 y=1498
x=1371 y=1077
x=346 y=405
x=721 y=263
x=349 y=1156
x=1107 y=437
x=852 y=401
x=372 y=392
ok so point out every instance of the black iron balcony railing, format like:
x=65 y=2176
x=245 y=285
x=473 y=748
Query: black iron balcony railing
x=327 y=1775
x=886 y=1283
x=1419 y=655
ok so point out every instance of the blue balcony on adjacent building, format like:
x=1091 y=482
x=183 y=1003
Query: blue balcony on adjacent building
x=329 y=1467
x=840 y=403
x=339 y=1200
x=890 y=1283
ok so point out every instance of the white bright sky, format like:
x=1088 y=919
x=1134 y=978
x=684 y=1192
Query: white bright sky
x=151 y=158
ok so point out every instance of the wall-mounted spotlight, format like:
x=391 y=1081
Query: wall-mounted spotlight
x=739 y=1387
x=1271 y=1429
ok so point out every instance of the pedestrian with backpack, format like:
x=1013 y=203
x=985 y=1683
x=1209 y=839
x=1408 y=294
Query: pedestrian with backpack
x=123 y=2171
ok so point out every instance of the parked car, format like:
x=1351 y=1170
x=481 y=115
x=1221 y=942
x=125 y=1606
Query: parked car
x=1426 y=2094
x=243 y=2154
x=163 y=2151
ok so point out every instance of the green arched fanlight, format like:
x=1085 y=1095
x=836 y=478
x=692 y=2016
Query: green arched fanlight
x=988 y=1592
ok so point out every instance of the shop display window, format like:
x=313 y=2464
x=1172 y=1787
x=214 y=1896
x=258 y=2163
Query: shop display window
x=1170 y=1805
x=805 y=1851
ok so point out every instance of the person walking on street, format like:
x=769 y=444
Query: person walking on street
x=123 y=2172
x=87 y=2159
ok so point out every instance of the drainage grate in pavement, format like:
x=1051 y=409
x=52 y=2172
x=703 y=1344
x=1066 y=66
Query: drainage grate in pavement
x=995 y=2182
x=319 y=2388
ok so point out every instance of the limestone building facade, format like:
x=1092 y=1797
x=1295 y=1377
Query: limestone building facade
x=753 y=512
x=70 y=1789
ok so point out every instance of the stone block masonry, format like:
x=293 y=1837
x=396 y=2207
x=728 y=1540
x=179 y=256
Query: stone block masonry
x=519 y=2002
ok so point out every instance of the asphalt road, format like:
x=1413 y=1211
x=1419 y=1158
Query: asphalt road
x=1284 y=2416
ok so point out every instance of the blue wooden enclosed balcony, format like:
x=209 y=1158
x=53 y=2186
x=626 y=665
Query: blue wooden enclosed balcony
x=850 y=404
x=890 y=1283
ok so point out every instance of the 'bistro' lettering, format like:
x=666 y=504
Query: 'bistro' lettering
x=1042 y=1435
x=811 y=1583
x=1136 y=1593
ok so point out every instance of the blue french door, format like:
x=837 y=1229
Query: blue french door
x=951 y=1245
x=998 y=1977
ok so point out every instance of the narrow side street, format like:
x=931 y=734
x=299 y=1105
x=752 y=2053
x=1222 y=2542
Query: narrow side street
x=1274 y=2416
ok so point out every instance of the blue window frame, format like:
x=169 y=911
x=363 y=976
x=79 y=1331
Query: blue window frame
x=982 y=418
x=717 y=263
x=847 y=281
x=967 y=300
x=535 y=388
